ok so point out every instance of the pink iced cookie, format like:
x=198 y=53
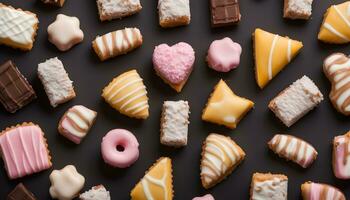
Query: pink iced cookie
x=175 y=63
x=205 y=197
x=341 y=156
x=120 y=148
x=224 y=55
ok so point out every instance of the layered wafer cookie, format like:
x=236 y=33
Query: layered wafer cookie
x=267 y=186
x=117 y=43
x=294 y=149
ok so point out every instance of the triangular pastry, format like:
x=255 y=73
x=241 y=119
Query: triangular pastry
x=157 y=184
x=224 y=107
x=272 y=53
x=220 y=156
x=127 y=94
x=336 y=24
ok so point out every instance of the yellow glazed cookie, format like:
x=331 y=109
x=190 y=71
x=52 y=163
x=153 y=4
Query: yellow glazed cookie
x=272 y=53
x=336 y=24
x=224 y=107
x=127 y=94
x=157 y=184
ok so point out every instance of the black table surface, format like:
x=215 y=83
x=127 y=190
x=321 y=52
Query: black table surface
x=253 y=132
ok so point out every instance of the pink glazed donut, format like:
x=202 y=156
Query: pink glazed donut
x=120 y=148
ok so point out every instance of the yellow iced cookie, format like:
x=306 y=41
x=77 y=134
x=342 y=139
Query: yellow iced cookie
x=336 y=24
x=224 y=107
x=127 y=94
x=272 y=53
x=157 y=184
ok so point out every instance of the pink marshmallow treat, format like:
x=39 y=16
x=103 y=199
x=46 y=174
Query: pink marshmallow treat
x=205 y=197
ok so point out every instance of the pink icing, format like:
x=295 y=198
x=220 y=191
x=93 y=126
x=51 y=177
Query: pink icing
x=317 y=192
x=114 y=157
x=339 y=167
x=205 y=197
x=224 y=55
x=65 y=133
x=24 y=151
x=174 y=63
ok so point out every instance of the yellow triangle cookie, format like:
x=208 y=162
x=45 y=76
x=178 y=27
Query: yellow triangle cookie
x=220 y=156
x=157 y=184
x=336 y=24
x=272 y=53
x=224 y=107
x=127 y=94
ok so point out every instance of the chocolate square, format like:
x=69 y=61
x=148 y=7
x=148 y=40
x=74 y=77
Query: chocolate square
x=224 y=12
x=20 y=193
x=15 y=91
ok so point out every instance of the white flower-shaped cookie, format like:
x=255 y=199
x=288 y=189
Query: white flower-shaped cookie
x=65 y=32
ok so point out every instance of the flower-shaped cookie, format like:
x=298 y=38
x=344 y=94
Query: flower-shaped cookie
x=65 y=32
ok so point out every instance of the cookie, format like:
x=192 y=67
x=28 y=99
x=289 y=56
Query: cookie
x=337 y=69
x=58 y=87
x=297 y=9
x=65 y=32
x=269 y=186
x=174 y=13
x=127 y=94
x=174 y=123
x=58 y=3
x=341 y=153
x=117 y=43
x=318 y=191
x=220 y=156
x=116 y=9
x=226 y=108
x=205 y=197
x=296 y=101
x=157 y=182
x=294 y=149
x=76 y=123
x=224 y=12
x=174 y=64
x=17 y=27
x=98 y=192
x=20 y=192
x=271 y=54
x=19 y=159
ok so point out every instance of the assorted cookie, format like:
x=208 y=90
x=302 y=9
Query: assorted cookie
x=20 y=192
x=220 y=156
x=98 y=192
x=337 y=69
x=157 y=182
x=58 y=3
x=17 y=27
x=224 y=12
x=116 y=9
x=58 y=87
x=294 y=149
x=341 y=154
x=224 y=107
x=174 y=13
x=296 y=101
x=128 y=95
x=117 y=43
x=205 y=197
x=269 y=186
x=320 y=191
x=297 y=9
x=271 y=54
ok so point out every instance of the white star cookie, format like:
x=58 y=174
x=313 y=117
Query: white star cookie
x=65 y=32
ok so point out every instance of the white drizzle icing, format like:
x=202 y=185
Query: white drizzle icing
x=269 y=67
x=289 y=50
x=335 y=32
x=159 y=182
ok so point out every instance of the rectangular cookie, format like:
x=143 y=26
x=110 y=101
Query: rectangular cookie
x=20 y=192
x=17 y=27
x=296 y=101
x=58 y=87
x=58 y=3
x=174 y=13
x=114 y=9
x=224 y=12
x=297 y=9
x=15 y=91
x=174 y=123
x=269 y=186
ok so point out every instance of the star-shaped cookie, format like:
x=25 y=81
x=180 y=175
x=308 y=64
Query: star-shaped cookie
x=65 y=32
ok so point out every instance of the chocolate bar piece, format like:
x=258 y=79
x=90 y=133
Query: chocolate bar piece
x=20 y=193
x=224 y=12
x=54 y=2
x=15 y=91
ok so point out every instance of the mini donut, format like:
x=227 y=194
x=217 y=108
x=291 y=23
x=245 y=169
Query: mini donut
x=128 y=152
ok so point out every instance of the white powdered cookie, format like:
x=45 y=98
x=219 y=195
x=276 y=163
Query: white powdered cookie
x=297 y=9
x=174 y=12
x=269 y=186
x=114 y=9
x=98 y=192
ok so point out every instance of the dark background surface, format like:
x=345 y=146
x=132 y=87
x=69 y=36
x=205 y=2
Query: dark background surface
x=90 y=76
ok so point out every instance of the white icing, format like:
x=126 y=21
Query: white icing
x=96 y=193
x=126 y=85
x=342 y=16
x=274 y=189
x=173 y=9
x=343 y=97
x=332 y=58
x=335 y=32
x=269 y=67
x=132 y=99
x=289 y=50
x=333 y=68
x=117 y=8
x=343 y=82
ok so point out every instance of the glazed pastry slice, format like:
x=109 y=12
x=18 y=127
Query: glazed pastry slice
x=341 y=156
x=220 y=156
x=224 y=107
x=127 y=94
x=335 y=28
x=272 y=53
x=157 y=184
x=294 y=149
x=337 y=69
x=319 y=191
x=267 y=186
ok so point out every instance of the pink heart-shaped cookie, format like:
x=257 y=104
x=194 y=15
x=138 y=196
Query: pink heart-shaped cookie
x=175 y=63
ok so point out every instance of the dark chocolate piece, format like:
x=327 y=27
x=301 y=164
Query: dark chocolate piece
x=224 y=12
x=15 y=91
x=20 y=193
x=54 y=2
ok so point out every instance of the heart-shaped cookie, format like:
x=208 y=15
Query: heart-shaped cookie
x=174 y=63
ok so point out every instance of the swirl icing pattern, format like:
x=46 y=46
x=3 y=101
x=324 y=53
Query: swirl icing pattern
x=319 y=191
x=341 y=156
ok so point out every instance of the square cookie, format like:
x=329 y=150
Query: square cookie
x=297 y=9
x=174 y=123
x=174 y=13
x=114 y=9
x=269 y=186
x=224 y=12
x=20 y=192
x=58 y=3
